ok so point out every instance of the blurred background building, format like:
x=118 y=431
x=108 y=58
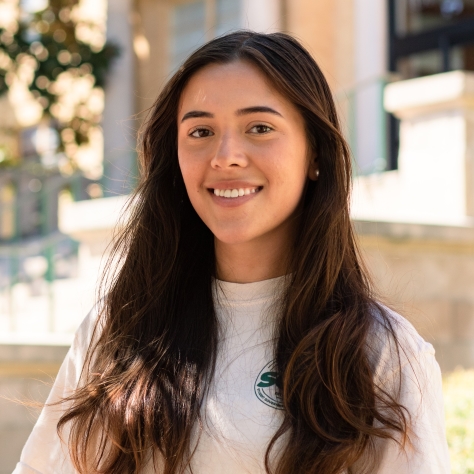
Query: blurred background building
x=76 y=79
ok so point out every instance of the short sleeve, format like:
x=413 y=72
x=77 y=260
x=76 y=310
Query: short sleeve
x=44 y=452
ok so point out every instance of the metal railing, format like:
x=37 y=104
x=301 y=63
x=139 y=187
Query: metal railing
x=34 y=254
x=36 y=264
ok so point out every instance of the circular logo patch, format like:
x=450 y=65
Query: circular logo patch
x=268 y=387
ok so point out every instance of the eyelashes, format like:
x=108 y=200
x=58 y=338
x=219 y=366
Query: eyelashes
x=261 y=129
x=202 y=132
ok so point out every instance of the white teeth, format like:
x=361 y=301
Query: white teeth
x=233 y=193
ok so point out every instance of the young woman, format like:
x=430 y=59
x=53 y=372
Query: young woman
x=240 y=333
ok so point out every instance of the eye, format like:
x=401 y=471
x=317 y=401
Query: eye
x=260 y=129
x=201 y=133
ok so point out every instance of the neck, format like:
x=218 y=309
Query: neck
x=252 y=261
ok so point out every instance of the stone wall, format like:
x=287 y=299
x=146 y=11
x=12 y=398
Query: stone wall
x=426 y=273
x=26 y=376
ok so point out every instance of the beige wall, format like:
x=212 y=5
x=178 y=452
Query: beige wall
x=151 y=33
x=327 y=30
x=26 y=375
x=427 y=272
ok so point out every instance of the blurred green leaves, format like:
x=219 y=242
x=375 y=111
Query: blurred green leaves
x=458 y=388
x=41 y=48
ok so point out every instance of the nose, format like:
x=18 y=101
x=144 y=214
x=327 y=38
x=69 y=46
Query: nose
x=230 y=152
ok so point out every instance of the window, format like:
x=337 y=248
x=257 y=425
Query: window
x=428 y=37
x=195 y=22
x=415 y=16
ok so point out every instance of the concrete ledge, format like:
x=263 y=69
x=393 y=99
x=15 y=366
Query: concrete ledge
x=29 y=369
x=429 y=94
x=415 y=231
x=22 y=360
x=97 y=217
x=35 y=339
x=94 y=221
x=13 y=353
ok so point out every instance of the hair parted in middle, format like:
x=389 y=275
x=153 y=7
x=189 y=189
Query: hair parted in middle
x=156 y=340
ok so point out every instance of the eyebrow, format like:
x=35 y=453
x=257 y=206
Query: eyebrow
x=258 y=109
x=246 y=111
x=196 y=114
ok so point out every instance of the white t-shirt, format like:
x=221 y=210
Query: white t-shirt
x=243 y=410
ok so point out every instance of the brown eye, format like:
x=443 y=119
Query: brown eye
x=201 y=133
x=260 y=129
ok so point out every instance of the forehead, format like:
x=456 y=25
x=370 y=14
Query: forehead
x=225 y=85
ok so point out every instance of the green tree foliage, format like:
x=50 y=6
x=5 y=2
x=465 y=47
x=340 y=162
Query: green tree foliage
x=459 y=407
x=47 y=41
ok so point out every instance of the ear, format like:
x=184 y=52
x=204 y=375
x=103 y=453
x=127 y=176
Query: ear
x=313 y=169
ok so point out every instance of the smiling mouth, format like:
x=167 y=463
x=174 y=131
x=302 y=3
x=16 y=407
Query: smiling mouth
x=236 y=192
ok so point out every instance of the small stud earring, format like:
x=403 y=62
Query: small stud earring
x=317 y=173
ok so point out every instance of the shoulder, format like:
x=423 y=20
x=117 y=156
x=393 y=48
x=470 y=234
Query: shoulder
x=406 y=370
x=86 y=334
x=394 y=346
x=90 y=327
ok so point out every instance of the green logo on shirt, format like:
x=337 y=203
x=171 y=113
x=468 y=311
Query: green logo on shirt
x=268 y=386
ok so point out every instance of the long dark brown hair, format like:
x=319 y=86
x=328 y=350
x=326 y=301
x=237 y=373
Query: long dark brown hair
x=142 y=387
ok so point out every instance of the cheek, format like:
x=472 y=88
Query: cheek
x=189 y=171
x=290 y=173
x=295 y=187
x=192 y=177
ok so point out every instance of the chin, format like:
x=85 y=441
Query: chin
x=233 y=238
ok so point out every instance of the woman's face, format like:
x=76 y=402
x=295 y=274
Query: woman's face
x=243 y=153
